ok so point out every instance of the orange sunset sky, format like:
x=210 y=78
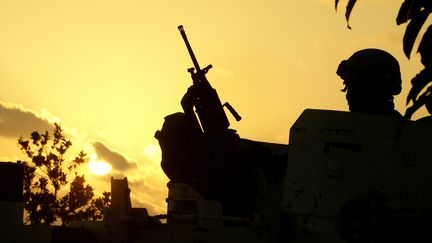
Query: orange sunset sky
x=110 y=71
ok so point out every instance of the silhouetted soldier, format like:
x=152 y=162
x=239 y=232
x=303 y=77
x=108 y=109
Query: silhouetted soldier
x=371 y=78
x=199 y=148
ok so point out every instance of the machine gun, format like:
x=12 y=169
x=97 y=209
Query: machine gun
x=201 y=151
x=188 y=142
x=201 y=95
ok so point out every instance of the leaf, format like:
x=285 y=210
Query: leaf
x=45 y=138
x=80 y=158
x=425 y=98
x=418 y=83
x=52 y=157
x=38 y=160
x=412 y=31
x=427 y=5
x=405 y=12
x=425 y=47
x=35 y=136
x=349 y=8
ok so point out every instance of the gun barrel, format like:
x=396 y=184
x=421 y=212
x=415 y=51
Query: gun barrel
x=191 y=53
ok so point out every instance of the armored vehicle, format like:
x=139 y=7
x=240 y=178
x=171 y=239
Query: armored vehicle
x=350 y=177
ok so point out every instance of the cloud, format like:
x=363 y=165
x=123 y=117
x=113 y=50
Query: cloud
x=15 y=120
x=150 y=195
x=117 y=160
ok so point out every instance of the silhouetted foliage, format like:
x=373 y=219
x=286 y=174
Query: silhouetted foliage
x=47 y=174
x=349 y=7
x=415 y=14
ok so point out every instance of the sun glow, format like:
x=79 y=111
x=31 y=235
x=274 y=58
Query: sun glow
x=152 y=151
x=98 y=167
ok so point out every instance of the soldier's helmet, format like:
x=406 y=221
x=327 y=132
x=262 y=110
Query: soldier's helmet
x=372 y=69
